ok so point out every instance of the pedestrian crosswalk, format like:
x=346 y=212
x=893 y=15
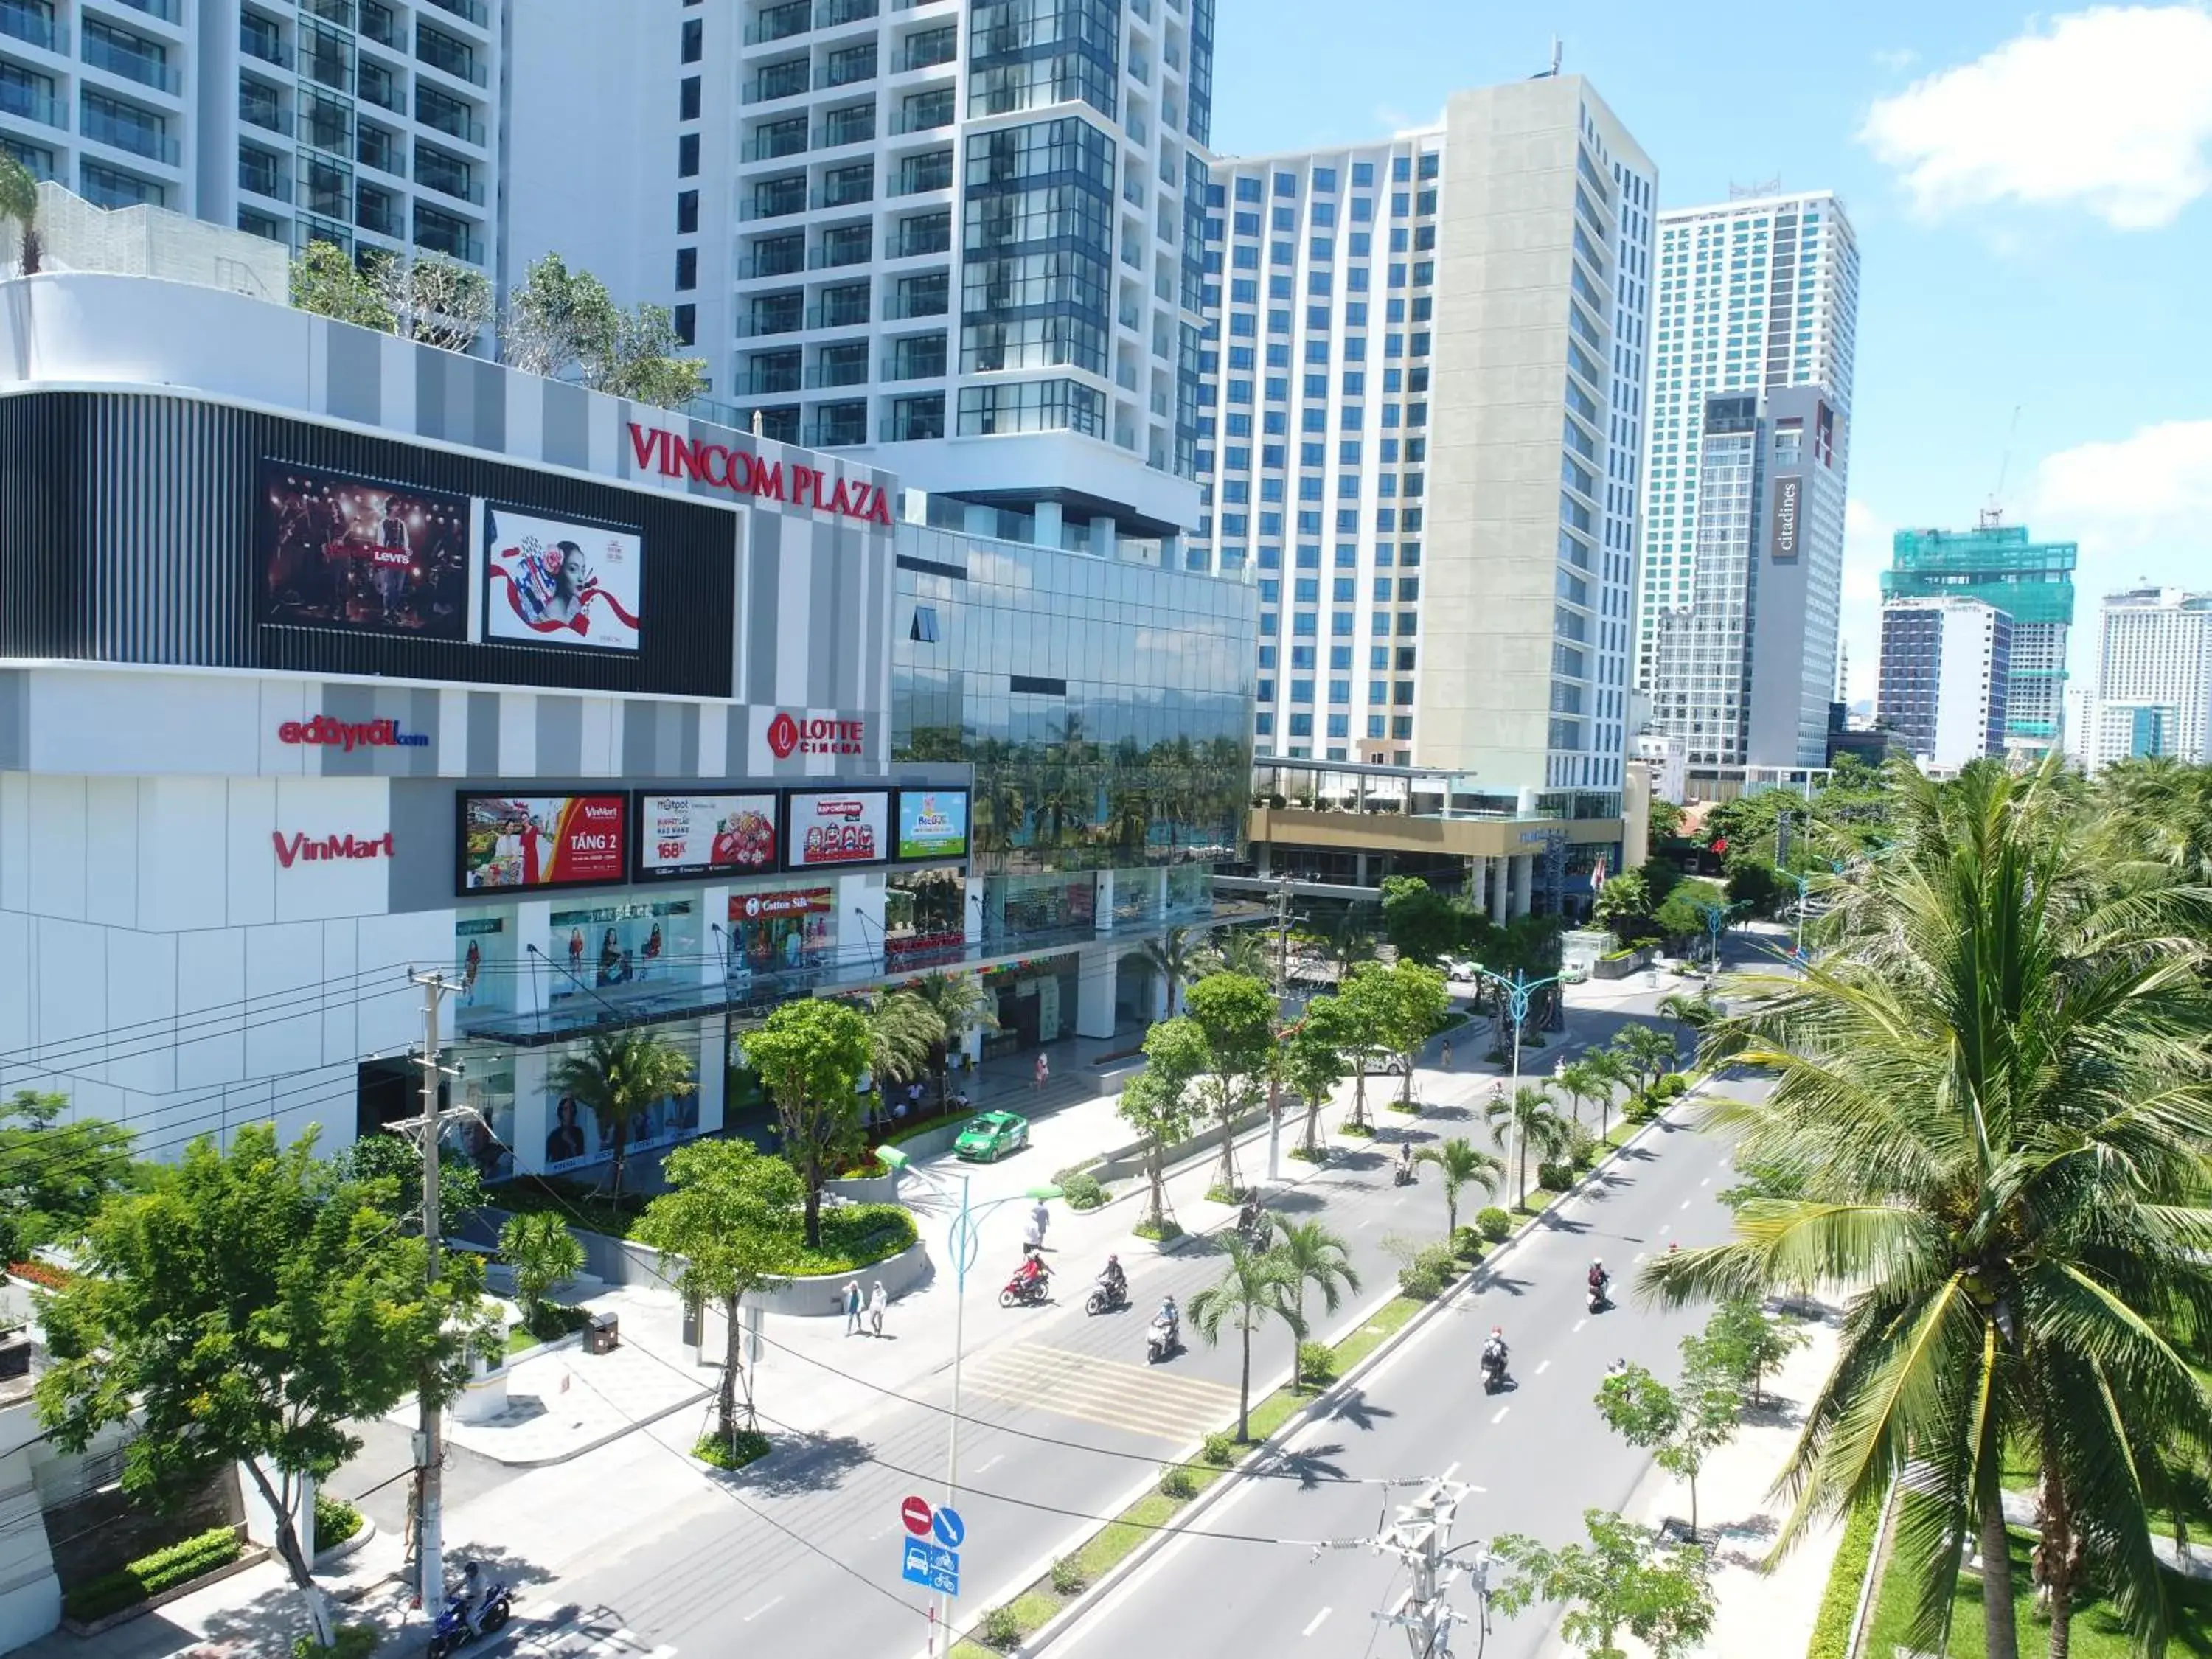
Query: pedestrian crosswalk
x=1149 y=1399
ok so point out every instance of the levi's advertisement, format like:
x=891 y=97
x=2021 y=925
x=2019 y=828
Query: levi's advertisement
x=847 y=826
x=547 y=581
x=343 y=552
x=509 y=842
x=690 y=835
x=933 y=824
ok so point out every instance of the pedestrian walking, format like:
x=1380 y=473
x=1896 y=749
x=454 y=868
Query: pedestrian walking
x=876 y=1302
x=1043 y=1070
x=852 y=1307
x=1447 y=1053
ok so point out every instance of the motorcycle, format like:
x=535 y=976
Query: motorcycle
x=1402 y=1175
x=1161 y=1339
x=453 y=1630
x=1598 y=1302
x=1493 y=1372
x=1029 y=1289
x=1106 y=1296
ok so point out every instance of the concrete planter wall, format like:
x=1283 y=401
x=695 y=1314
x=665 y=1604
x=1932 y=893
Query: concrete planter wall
x=1126 y=1161
x=930 y=1142
x=1620 y=967
x=822 y=1298
x=865 y=1190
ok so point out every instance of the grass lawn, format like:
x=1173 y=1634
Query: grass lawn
x=2097 y=1634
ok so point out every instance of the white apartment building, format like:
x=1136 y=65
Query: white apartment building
x=1426 y=409
x=962 y=240
x=371 y=124
x=2154 y=676
x=1752 y=295
x=1945 y=679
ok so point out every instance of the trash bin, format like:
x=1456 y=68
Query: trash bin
x=606 y=1332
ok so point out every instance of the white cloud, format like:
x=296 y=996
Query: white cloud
x=2110 y=109
x=2140 y=506
x=1896 y=58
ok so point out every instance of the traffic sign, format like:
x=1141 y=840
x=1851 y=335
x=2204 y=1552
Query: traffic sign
x=927 y=1565
x=952 y=1530
x=915 y=1513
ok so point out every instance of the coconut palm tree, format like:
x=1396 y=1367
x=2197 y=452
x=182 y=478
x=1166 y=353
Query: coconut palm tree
x=1646 y=1052
x=904 y=1034
x=1526 y=1119
x=1174 y=958
x=1309 y=1255
x=19 y=203
x=960 y=1005
x=1459 y=1161
x=1993 y=1087
x=1693 y=1012
x=1579 y=1080
x=1254 y=1288
x=1245 y=951
x=621 y=1076
x=1610 y=1072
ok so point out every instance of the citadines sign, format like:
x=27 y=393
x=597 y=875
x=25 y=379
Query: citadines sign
x=1789 y=489
x=742 y=473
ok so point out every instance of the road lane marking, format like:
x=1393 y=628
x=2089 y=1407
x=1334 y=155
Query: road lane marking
x=1502 y=1410
x=759 y=1610
x=1541 y=1369
x=1707 y=1181
x=986 y=1467
x=1686 y=1203
x=1579 y=1323
x=1316 y=1625
x=1665 y=1228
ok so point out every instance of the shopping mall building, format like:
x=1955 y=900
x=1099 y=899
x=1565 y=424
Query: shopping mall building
x=327 y=657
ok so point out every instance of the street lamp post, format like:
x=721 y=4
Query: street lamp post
x=962 y=1244
x=1516 y=991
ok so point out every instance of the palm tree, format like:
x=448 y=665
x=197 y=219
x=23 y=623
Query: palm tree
x=1245 y=951
x=1459 y=1161
x=1254 y=1288
x=1994 y=1088
x=1579 y=1080
x=1308 y=1253
x=619 y=1076
x=1694 y=1011
x=1527 y=1119
x=19 y=203
x=904 y=1035
x=960 y=1005
x=1647 y=1052
x=1175 y=959
x=1610 y=1072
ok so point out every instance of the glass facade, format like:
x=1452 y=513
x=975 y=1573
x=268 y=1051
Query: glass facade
x=1106 y=706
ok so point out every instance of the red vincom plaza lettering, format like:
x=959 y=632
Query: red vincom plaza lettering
x=296 y=847
x=744 y=474
x=350 y=735
x=787 y=734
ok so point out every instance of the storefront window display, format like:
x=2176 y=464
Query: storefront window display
x=609 y=945
x=925 y=918
x=788 y=930
x=1190 y=889
x=487 y=1089
x=484 y=947
x=1030 y=905
x=576 y=1137
x=1034 y=1001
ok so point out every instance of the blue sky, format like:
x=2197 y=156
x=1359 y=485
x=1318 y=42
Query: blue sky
x=2029 y=192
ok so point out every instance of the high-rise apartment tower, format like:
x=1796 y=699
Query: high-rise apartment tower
x=1946 y=673
x=2153 y=652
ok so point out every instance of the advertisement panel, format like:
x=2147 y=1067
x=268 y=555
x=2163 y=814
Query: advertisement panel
x=690 y=835
x=339 y=551
x=933 y=824
x=781 y=933
x=547 y=581
x=509 y=842
x=1788 y=491
x=850 y=826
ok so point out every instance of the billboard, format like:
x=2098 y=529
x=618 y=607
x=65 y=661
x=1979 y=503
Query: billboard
x=933 y=824
x=512 y=842
x=338 y=551
x=850 y=826
x=690 y=835
x=1788 y=491
x=551 y=581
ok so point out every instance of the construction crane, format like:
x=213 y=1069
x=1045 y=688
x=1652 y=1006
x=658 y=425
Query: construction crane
x=1993 y=514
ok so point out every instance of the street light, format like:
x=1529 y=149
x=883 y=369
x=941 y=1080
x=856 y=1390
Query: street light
x=961 y=1243
x=1717 y=917
x=1515 y=992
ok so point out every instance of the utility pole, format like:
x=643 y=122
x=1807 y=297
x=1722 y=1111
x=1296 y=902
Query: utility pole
x=429 y=1436
x=1421 y=1540
x=1282 y=991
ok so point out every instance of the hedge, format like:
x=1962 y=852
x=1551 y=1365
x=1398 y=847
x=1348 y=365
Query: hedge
x=854 y=1236
x=335 y=1522
x=1839 y=1602
x=151 y=1575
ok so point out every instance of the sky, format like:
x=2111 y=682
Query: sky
x=2030 y=193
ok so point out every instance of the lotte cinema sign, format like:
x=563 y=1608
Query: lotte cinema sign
x=788 y=735
x=742 y=473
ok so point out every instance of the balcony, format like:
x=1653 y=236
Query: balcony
x=928 y=50
x=328 y=64
x=773 y=381
x=29 y=20
x=375 y=148
x=835 y=252
x=444 y=53
x=263 y=178
x=785 y=80
x=449 y=116
x=140 y=137
x=916 y=239
x=766 y=320
x=923 y=365
x=911 y=425
x=843 y=68
x=262 y=42
x=843 y=315
x=446 y=176
x=380 y=24
x=103 y=51
x=924 y=114
x=451 y=237
x=838 y=190
x=847 y=126
x=772 y=144
x=829 y=14
x=779 y=23
x=838 y=430
x=167 y=10
x=918 y=173
x=839 y=372
x=773 y=262
x=777 y=202
x=470 y=11
x=380 y=87
x=265 y=113
x=29 y=104
x=917 y=300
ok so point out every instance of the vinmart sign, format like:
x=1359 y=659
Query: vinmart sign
x=742 y=473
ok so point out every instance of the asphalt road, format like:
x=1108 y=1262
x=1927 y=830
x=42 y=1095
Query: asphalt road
x=1537 y=1453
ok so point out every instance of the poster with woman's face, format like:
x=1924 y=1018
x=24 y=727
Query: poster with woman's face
x=579 y=1138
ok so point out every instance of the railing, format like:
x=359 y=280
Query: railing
x=844 y=70
x=779 y=81
x=838 y=316
x=448 y=181
x=339 y=12
x=268 y=117
x=18 y=100
x=773 y=383
x=139 y=139
x=926 y=117
x=762 y=324
x=379 y=23
x=264 y=182
x=143 y=67
x=777 y=206
x=328 y=68
x=917 y=243
x=167 y=10
x=829 y=14
x=851 y=195
x=909 y=429
x=774 y=146
x=772 y=264
x=450 y=240
x=382 y=153
x=831 y=256
x=448 y=117
x=928 y=51
x=835 y=435
x=449 y=56
x=779 y=23
x=903 y=367
x=376 y=86
x=27 y=22
x=837 y=373
x=860 y=129
x=470 y=10
x=377 y=213
x=898 y=305
x=914 y=180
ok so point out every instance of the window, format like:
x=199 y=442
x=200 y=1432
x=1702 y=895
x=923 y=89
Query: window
x=687 y=156
x=686 y=269
x=1347 y=555
x=695 y=40
x=1312 y=454
x=1362 y=175
x=1344 y=590
x=687 y=99
x=1286 y=184
x=686 y=212
x=1247 y=190
x=1284 y=219
x=1339 y=691
x=687 y=324
x=1324 y=182
x=1340 y=659
x=923 y=629
x=1382 y=590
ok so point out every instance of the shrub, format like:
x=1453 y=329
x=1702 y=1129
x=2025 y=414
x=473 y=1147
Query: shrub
x=1001 y=1629
x=746 y=1446
x=555 y=1320
x=1316 y=1363
x=1067 y=1577
x=1639 y=1110
x=1160 y=1234
x=854 y=1236
x=1555 y=1177
x=1467 y=1245
x=1424 y=1278
x=1364 y=1131
x=1220 y=1450
x=1409 y=1108
x=1082 y=1189
x=354 y=1642
x=1493 y=1224
x=335 y=1522
x=1582 y=1152
x=1222 y=1192
x=150 y=1574
x=44 y=1274
x=1672 y=1086
x=1177 y=1482
x=1317 y=1155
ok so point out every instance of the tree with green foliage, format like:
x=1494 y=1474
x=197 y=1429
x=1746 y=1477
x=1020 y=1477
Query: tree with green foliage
x=1459 y=1161
x=1666 y=821
x=1742 y=1342
x=1625 y=899
x=246 y=1309
x=1992 y=1087
x=54 y=1175
x=1423 y=925
x=539 y=1246
x=560 y=320
x=1625 y=1579
x=1582 y=1078
x=1646 y=1052
x=809 y=1054
x=1753 y=883
x=1680 y=1427
x=326 y=280
x=728 y=1218
x=1694 y=1011
x=620 y=1076
x=1157 y=1102
x=1400 y=1007
x=1252 y=1289
x=1247 y=951
x=1174 y=958
x=1309 y=1255
x=903 y=1031
x=1314 y=1062
x=430 y=298
x=1236 y=1015
x=18 y=205
x=960 y=1005
x=1356 y=1021
x=393 y=1163
x=1524 y=1120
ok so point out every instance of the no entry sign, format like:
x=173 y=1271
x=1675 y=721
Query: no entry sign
x=915 y=1513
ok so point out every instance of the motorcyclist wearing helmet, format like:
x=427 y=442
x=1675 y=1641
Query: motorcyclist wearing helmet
x=1116 y=1281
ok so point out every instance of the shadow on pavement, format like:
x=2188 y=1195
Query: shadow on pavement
x=804 y=1462
x=1310 y=1466
x=1355 y=1408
